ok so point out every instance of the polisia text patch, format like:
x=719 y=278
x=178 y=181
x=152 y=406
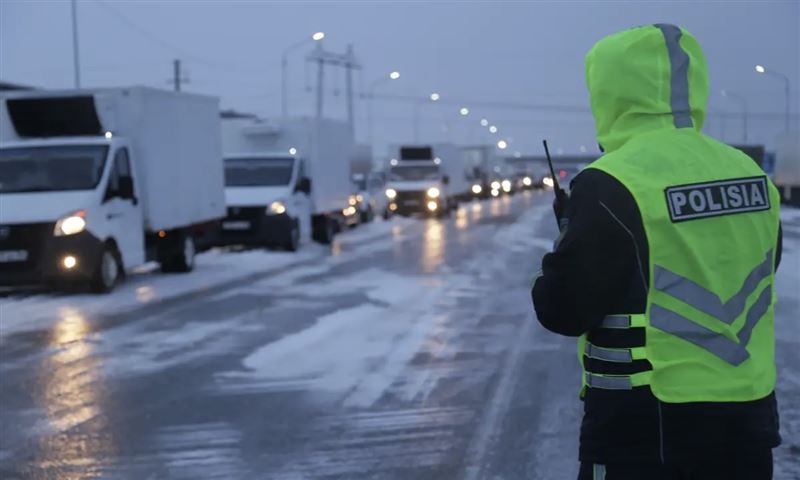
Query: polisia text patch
x=711 y=199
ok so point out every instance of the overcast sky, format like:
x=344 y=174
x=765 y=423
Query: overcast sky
x=486 y=54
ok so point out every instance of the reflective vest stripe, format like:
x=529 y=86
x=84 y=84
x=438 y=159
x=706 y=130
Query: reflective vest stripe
x=706 y=301
x=620 y=355
x=679 y=76
x=608 y=354
x=617 y=382
x=598 y=472
x=709 y=340
x=758 y=310
x=616 y=321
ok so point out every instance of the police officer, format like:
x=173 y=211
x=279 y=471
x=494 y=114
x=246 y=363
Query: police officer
x=665 y=271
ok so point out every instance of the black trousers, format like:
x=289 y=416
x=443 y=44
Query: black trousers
x=714 y=466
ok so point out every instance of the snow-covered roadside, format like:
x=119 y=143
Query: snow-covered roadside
x=147 y=286
x=787 y=332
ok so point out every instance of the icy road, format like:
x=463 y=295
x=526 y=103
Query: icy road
x=408 y=350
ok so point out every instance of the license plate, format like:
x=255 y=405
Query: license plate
x=236 y=225
x=7 y=256
x=411 y=203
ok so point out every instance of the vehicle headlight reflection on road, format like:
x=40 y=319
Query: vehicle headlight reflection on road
x=433 y=192
x=391 y=193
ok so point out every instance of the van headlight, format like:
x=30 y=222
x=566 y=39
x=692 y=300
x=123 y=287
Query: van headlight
x=391 y=193
x=433 y=192
x=276 y=208
x=71 y=224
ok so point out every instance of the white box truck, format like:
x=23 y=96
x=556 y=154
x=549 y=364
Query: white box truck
x=428 y=179
x=286 y=180
x=96 y=182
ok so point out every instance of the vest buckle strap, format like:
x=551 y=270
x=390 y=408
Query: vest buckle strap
x=608 y=354
x=608 y=382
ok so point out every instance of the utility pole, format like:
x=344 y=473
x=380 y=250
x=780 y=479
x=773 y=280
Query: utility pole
x=178 y=77
x=349 y=62
x=75 y=49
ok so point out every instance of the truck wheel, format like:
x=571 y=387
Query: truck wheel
x=107 y=273
x=293 y=242
x=182 y=258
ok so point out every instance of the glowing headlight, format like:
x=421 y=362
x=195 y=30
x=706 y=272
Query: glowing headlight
x=432 y=206
x=352 y=200
x=506 y=184
x=495 y=192
x=433 y=192
x=391 y=193
x=71 y=224
x=547 y=181
x=527 y=181
x=476 y=189
x=276 y=208
x=359 y=198
x=495 y=185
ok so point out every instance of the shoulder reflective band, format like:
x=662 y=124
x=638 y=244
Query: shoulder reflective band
x=709 y=340
x=706 y=301
x=679 y=76
x=598 y=472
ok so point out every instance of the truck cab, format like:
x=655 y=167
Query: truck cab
x=69 y=209
x=94 y=183
x=268 y=200
x=425 y=179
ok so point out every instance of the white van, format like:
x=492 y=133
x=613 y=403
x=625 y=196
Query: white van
x=96 y=182
x=286 y=181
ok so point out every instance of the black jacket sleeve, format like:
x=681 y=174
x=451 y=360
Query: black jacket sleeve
x=599 y=264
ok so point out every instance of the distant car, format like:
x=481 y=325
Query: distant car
x=370 y=199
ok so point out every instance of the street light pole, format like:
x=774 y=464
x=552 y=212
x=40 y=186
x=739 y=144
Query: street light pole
x=762 y=69
x=75 y=49
x=394 y=75
x=743 y=102
x=284 y=70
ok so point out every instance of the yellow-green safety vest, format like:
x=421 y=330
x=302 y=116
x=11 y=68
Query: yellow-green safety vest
x=711 y=217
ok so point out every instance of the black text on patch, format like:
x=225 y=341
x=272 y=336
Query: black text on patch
x=701 y=200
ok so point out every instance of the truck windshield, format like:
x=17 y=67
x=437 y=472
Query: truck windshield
x=415 y=172
x=258 y=172
x=51 y=168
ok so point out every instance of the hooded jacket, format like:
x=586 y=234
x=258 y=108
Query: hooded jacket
x=599 y=265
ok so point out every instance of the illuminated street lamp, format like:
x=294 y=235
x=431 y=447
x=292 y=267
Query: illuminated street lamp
x=464 y=111
x=763 y=70
x=484 y=122
x=493 y=129
x=502 y=145
x=435 y=97
x=316 y=37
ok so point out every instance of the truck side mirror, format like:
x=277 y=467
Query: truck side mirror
x=125 y=188
x=304 y=185
x=446 y=180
